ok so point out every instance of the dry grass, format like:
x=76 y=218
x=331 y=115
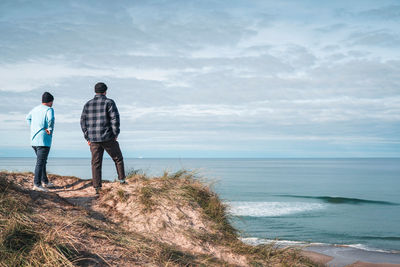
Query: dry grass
x=34 y=230
x=136 y=174
x=212 y=207
x=29 y=239
x=161 y=195
x=145 y=197
x=24 y=241
x=122 y=195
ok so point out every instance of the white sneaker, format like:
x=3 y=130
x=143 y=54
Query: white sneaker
x=39 y=188
x=49 y=184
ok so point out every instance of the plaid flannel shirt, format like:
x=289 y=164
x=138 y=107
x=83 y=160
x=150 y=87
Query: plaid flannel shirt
x=100 y=119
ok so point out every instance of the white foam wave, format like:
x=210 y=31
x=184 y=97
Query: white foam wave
x=271 y=209
x=280 y=243
x=366 y=248
x=288 y=243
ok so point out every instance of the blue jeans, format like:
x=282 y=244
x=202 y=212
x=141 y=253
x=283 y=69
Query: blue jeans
x=42 y=152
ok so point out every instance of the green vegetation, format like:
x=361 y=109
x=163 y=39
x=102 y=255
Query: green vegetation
x=212 y=207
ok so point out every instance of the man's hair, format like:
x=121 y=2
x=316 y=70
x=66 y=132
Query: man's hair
x=47 y=97
x=100 y=88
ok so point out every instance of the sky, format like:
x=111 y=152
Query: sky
x=235 y=78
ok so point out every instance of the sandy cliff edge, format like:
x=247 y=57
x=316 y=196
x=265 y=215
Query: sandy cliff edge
x=173 y=220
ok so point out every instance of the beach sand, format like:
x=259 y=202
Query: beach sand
x=367 y=264
x=325 y=260
x=341 y=256
x=317 y=257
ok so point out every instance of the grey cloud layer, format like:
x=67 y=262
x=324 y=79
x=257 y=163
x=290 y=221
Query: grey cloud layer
x=256 y=68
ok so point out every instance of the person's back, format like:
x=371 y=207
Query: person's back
x=41 y=118
x=100 y=127
x=41 y=122
x=100 y=119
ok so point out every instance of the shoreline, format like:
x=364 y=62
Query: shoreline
x=329 y=261
x=338 y=255
x=334 y=262
x=348 y=256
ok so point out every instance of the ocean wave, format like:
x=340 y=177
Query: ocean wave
x=366 y=248
x=343 y=200
x=392 y=238
x=280 y=243
x=271 y=209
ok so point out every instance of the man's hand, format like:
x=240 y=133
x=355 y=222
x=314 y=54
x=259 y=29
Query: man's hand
x=88 y=142
x=48 y=131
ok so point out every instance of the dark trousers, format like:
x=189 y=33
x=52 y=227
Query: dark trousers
x=42 y=152
x=112 y=148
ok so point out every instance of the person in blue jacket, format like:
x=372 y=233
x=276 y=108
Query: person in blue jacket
x=41 y=122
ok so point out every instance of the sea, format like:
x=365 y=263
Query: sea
x=349 y=203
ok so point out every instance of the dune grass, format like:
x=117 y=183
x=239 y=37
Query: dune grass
x=29 y=239
x=123 y=195
x=24 y=241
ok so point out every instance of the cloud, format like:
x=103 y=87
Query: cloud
x=20 y=77
x=284 y=111
x=332 y=28
x=391 y=12
x=375 y=38
x=208 y=74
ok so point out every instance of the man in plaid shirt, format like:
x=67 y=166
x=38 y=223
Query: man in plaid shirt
x=100 y=127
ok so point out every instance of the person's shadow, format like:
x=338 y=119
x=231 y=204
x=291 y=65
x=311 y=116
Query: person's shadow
x=67 y=187
x=84 y=201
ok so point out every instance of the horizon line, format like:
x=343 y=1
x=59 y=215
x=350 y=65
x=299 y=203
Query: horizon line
x=2 y=157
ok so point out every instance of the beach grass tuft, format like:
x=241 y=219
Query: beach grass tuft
x=122 y=195
x=146 y=194
x=136 y=174
x=212 y=207
x=24 y=241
